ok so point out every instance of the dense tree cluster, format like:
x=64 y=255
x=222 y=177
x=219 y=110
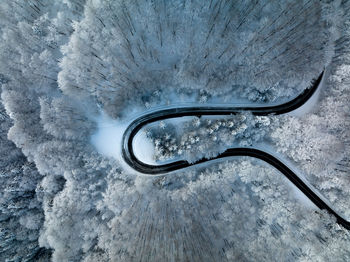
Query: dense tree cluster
x=207 y=137
x=123 y=52
x=234 y=211
x=62 y=62
x=21 y=214
x=320 y=142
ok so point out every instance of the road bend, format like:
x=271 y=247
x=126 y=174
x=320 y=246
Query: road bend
x=135 y=126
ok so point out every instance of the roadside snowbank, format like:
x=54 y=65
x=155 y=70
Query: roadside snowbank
x=108 y=139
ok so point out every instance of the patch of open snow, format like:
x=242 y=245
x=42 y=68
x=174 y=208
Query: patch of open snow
x=108 y=141
x=143 y=148
x=108 y=136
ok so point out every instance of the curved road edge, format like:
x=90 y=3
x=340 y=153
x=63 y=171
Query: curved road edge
x=136 y=125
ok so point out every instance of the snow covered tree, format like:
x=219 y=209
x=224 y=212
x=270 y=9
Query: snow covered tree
x=261 y=51
x=62 y=62
x=207 y=137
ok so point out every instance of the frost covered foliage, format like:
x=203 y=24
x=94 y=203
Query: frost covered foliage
x=21 y=214
x=124 y=52
x=234 y=211
x=206 y=137
x=31 y=34
x=64 y=61
x=320 y=142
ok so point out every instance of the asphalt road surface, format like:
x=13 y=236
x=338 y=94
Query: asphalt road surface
x=137 y=124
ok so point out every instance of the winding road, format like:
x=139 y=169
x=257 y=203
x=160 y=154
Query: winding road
x=136 y=125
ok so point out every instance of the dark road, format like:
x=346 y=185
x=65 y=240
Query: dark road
x=136 y=125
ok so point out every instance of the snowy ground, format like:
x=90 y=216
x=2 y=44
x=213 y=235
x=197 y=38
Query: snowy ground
x=108 y=138
x=310 y=105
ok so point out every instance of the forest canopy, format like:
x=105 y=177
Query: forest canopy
x=66 y=63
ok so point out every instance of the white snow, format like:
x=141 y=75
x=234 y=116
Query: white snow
x=108 y=136
x=297 y=192
x=108 y=139
x=143 y=148
x=310 y=105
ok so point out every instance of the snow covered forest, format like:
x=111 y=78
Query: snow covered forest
x=73 y=73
